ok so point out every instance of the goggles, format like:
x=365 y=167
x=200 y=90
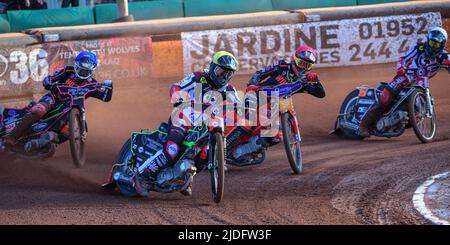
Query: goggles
x=222 y=73
x=434 y=44
x=302 y=64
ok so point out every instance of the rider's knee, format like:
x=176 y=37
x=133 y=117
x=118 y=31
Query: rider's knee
x=64 y=133
x=39 y=109
x=386 y=95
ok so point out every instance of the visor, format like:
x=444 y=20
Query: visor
x=223 y=74
x=302 y=64
x=83 y=72
x=434 y=44
x=84 y=69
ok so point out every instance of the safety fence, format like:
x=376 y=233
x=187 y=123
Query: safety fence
x=16 y=21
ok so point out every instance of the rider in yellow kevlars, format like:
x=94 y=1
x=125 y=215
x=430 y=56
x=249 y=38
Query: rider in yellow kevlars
x=216 y=78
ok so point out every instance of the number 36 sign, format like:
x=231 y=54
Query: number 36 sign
x=18 y=66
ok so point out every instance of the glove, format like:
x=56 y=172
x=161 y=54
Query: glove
x=108 y=83
x=47 y=83
x=447 y=64
x=178 y=102
x=400 y=71
x=311 y=77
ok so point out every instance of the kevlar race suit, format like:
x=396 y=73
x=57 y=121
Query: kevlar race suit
x=65 y=75
x=282 y=74
x=180 y=92
x=416 y=59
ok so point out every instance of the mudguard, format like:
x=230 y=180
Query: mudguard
x=11 y=117
x=145 y=144
x=366 y=99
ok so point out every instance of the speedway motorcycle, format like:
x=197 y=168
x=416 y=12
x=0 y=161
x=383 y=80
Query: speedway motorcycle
x=68 y=110
x=412 y=107
x=142 y=146
x=245 y=147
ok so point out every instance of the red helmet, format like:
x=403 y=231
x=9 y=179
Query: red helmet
x=303 y=59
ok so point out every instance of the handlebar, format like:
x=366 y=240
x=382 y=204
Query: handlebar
x=106 y=83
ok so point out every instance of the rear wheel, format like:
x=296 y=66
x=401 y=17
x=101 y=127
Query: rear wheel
x=216 y=165
x=424 y=125
x=76 y=138
x=346 y=114
x=291 y=143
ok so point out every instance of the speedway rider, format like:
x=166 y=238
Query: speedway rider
x=216 y=78
x=299 y=69
x=420 y=55
x=78 y=75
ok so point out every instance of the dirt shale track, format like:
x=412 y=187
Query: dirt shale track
x=344 y=182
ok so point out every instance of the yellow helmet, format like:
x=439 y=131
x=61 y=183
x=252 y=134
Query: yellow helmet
x=221 y=69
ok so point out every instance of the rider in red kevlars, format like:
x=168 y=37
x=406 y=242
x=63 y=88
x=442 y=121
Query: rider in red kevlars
x=419 y=56
x=77 y=75
x=299 y=68
x=216 y=78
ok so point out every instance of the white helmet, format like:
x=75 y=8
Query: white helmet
x=436 y=39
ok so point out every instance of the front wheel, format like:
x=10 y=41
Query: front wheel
x=76 y=138
x=346 y=114
x=216 y=165
x=291 y=143
x=124 y=157
x=424 y=125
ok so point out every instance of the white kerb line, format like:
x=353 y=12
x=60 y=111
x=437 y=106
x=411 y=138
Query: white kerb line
x=419 y=202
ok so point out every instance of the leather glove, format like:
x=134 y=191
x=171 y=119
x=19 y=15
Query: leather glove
x=47 y=83
x=400 y=71
x=311 y=77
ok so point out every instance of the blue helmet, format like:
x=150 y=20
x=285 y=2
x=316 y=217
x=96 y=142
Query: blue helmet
x=85 y=64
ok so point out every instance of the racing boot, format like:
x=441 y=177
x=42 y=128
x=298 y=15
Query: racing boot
x=188 y=191
x=133 y=181
x=370 y=118
x=140 y=185
x=181 y=168
x=28 y=120
x=147 y=169
x=42 y=141
x=373 y=114
x=2 y=146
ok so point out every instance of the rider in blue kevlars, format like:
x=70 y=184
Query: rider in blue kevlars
x=79 y=74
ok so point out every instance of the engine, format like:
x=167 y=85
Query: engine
x=387 y=122
x=255 y=144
